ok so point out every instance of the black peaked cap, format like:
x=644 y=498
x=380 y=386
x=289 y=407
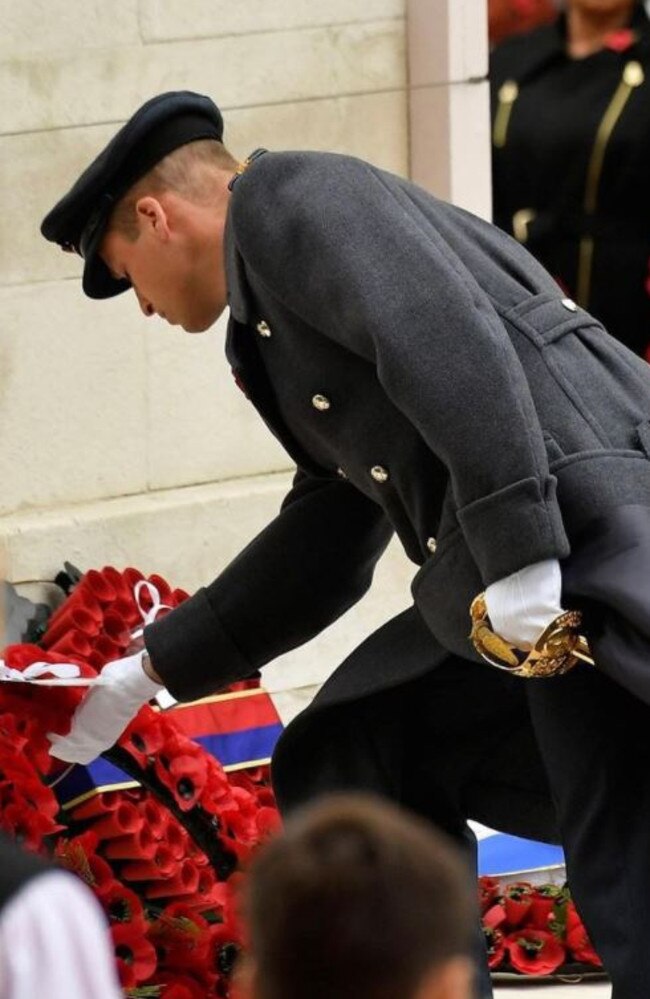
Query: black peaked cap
x=77 y=222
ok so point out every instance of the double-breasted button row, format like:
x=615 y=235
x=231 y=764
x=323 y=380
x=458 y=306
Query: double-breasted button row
x=377 y=472
x=322 y=404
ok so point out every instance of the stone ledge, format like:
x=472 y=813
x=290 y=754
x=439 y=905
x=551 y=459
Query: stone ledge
x=187 y=534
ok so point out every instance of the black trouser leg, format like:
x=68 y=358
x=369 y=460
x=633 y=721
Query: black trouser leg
x=595 y=739
x=364 y=747
x=471 y=754
x=454 y=744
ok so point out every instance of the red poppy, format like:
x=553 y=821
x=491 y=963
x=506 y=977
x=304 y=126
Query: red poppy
x=488 y=889
x=39 y=797
x=73 y=619
x=133 y=949
x=136 y=845
x=577 y=940
x=160 y=866
x=197 y=855
x=98 y=803
x=495 y=915
x=126 y=975
x=27 y=825
x=620 y=40
x=17 y=771
x=496 y=946
x=210 y=894
x=176 y=838
x=182 y=938
x=155 y=817
x=37 y=749
x=12 y=739
x=268 y=821
x=265 y=796
x=535 y=952
x=95 y=583
x=185 y=775
x=217 y=793
x=517 y=900
x=121 y=821
x=143 y=738
x=543 y=903
x=240 y=818
x=121 y=905
x=184 y=881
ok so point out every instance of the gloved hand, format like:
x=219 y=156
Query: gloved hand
x=522 y=605
x=106 y=710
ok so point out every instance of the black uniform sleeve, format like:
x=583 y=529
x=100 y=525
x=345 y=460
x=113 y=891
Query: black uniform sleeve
x=311 y=563
x=350 y=252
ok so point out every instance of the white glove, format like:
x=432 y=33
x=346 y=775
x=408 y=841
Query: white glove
x=522 y=605
x=122 y=688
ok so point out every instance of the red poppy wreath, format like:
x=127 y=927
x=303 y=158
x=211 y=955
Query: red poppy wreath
x=156 y=827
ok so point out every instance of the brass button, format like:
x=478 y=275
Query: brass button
x=520 y=223
x=379 y=473
x=263 y=328
x=569 y=304
x=509 y=92
x=342 y=474
x=320 y=402
x=633 y=74
x=432 y=544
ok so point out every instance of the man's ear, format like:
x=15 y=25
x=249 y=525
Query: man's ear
x=450 y=980
x=152 y=217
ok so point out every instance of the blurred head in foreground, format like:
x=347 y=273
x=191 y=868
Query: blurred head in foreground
x=357 y=900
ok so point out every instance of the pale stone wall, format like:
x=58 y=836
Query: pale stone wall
x=449 y=100
x=122 y=440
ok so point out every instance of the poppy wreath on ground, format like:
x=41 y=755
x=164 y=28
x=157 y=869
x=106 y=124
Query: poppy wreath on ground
x=160 y=841
x=535 y=930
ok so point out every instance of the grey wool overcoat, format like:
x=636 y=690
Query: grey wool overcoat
x=428 y=377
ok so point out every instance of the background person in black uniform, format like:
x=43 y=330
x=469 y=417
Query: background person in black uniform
x=571 y=156
x=427 y=376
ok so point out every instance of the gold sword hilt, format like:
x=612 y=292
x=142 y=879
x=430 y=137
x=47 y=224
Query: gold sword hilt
x=558 y=649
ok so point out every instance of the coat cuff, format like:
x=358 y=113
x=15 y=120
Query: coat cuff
x=191 y=651
x=514 y=527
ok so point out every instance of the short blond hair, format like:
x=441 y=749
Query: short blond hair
x=188 y=170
